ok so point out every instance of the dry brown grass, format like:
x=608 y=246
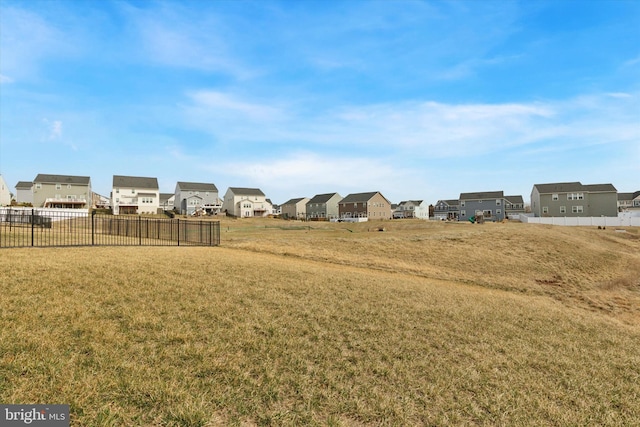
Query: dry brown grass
x=423 y=324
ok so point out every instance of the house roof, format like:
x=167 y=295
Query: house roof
x=564 y=187
x=166 y=196
x=322 y=198
x=241 y=191
x=624 y=196
x=482 y=196
x=450 y=202
x=415 y=202
x=514 y=199
x=24 y=185
x=135 y=182
x=62 y=179
x=361 y=197
x=197 y=186
x=293 y=201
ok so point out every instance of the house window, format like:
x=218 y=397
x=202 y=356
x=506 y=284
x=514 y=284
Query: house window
x=498 y=211
x=117 y=191
x=479 y=201
x=58 y=186
x=68 y=185
x=463 y=213
x=462 y=204
x=133 y=191
x=38 y=185
x=545 y=209
x=575 y=196
x=554 y=197
x=563 y=209
x=576 y=209
x=497 y=202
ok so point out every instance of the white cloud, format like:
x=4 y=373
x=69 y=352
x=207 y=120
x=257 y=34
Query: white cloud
x=5 y=79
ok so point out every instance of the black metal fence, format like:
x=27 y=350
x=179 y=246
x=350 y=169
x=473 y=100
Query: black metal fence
x=38 y=227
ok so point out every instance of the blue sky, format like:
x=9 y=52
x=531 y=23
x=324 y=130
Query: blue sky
x=416 y=99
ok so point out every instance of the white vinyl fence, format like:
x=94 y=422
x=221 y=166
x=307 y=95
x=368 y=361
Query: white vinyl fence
x=603 y=221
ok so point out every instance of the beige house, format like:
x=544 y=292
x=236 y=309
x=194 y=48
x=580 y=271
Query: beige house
x=61 y=191
x=365 y=205
x=134 y=195
x=245 y=202
x=294 y=208
x=5 y=194
x=629 y=201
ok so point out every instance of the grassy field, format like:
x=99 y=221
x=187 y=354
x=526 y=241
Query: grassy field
x=291 y=323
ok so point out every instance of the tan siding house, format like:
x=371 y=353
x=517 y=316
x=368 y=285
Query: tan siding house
x=371 y=205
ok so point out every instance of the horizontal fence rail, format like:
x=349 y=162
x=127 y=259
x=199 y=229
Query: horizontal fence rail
x=42 y=228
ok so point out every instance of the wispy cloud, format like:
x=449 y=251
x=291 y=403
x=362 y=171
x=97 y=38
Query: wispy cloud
x=5 y=79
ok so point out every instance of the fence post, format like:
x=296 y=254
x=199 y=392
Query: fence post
x=93 y=228
x=178 y=222
x=32 y=224
x=139 y=231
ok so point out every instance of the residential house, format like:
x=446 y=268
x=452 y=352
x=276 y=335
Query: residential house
x=99 y=201
x=24 y=193
x=196 y=196
x=490 y=204
x=371 y=205
x=412 y=209
x=294 y=208
x=62 y=191
x=134 y=195
x=447 y=209
x=167 y=201
x=245 y=202
x=574 y=199
x=323 y=206
x=275 y=209
x=5 y=194
x=628 y=201
x=513 y=206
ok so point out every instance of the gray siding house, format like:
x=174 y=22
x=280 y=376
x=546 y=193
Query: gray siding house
x=574 y=199
x=323 y=206
x=490 y=204
x=62 y=191
x=193 y=196
x=447 y=209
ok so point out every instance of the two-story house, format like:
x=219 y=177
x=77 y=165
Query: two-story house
x=489 y=204
x=513 y=206
x=324 y=206
x=574 y=199
x=24 y=193
x=61 y=191
x=372 y=205
x=5 y=194
x=294 y=208
x=245 y=202
x=447 y=209
x=193 y=196
x=411 y=209
x=629 y=201
x=134 y=195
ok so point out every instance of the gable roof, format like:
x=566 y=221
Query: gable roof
x=241 y=191
x=293 y=201
x=135 y=182
x=450 y=202
x=406 y=202
x=24 y=185
x=322 y=198
x=482 y=196
x=197 y=186
x=514 y=199
x=564 y=187
x=361 y=197
x=43 y=178
x=164 y=197
x=624 y=196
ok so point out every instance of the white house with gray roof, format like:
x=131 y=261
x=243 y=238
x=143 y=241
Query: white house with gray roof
x=5 y=194
x=412 y=209
x=196 y=196
x=246 y=202
x=61 y=191
x=574 y=199
x=24 y=192
x=132 y=195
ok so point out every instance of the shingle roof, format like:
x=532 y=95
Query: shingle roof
x=482 y=196
x=62 y=179
x=24 y=185
x=514 y=199
x=293 y=201
x=322 y=198
x=624 y=196
x=241 y=191
x=564 y=187
x=135 y=182
x=196 y=186
x=450 y=202
x=359 y=197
